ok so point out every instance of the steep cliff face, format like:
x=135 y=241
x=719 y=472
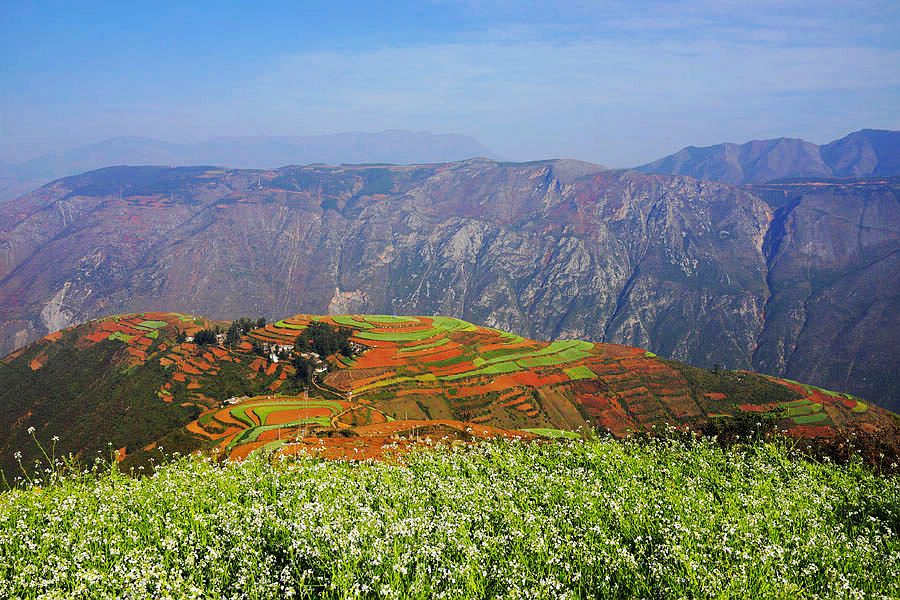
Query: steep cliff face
x=697 y=271
x=834 y=272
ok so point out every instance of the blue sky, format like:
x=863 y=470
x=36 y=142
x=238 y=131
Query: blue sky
x=614 y=83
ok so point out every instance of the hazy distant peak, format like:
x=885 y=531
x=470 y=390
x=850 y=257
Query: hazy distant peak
x=859 y=154
x=397 y=146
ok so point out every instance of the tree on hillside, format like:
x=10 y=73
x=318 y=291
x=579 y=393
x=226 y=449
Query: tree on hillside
x=305 y=367
x=204 y=337
x=323 y=339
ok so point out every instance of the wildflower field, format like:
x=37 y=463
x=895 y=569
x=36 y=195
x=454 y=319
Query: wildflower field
x=657 y=518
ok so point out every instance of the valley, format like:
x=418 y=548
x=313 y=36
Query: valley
x=790 y=279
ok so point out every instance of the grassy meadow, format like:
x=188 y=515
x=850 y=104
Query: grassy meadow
x=658 y=518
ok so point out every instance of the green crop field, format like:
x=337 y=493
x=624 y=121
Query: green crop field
x=349 y=321
x=579 y=372
x=576 y=520
x=425 y=346
x=398 y=336
x=389 y=319
x=811 y=418
x=284 y=325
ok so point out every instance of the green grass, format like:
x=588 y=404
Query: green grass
x=349 y=321
x=579 y=372
x=552 y=348
x=554 y=433
x=809 y=419
x=285 y=325
x=389 y=319
x=496 y=369
x=122 y=337
x=153 y=324
x=598 y=519
x=394 y=381
x=426 y=346
x=398 y=336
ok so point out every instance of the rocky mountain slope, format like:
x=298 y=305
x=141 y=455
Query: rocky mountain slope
x=146 y=380
x=869 y=152
x=746 y=277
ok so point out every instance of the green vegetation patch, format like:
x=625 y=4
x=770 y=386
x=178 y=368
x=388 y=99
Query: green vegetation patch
x=554 y=433
x=349 y=321
x=122 y=337
x=809 y=419
x=153 y=324
x=552 y=348
x=390 y=319
x=579 y=372
x=264 y=410
x=565 y=356
x=494 y=520
x=860 y=407
x=398 y=336
x=495 y=369
x=394 y=381
x=426 y=346
x=285 y=325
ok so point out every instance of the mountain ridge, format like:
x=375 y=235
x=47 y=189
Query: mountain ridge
x=389 y=146
x=867 y=152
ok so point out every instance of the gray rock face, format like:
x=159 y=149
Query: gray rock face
x=698 y=271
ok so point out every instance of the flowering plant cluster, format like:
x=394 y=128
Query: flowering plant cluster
x=662 y=518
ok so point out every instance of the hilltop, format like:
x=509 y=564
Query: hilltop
x=149 y=380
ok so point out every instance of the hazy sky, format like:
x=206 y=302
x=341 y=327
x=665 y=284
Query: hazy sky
x=615 y=83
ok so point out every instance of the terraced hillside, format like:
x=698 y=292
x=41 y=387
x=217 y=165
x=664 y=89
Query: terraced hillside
x=407 y=378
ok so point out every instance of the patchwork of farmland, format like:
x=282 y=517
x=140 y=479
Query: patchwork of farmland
x=414 y=372
x=423 y=377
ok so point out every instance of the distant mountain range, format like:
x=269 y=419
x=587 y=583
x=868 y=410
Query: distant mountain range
x=865 y=153
x=258 y=152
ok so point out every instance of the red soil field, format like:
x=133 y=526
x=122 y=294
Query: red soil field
x=178 y=376
x=287 y=415
x=187 y=368
x=38 y=361
x=418 y=392
x=462 y=367
x=812 y=431
x=478 y=390
x=508 y=346
x=443 y=354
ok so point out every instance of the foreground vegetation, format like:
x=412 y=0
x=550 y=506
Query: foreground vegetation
x=654 y=518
